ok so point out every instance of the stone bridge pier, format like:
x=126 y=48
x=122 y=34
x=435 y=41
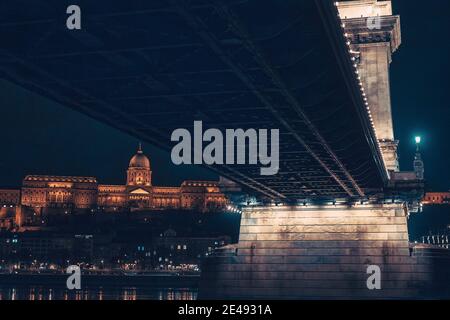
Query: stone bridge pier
x=322 y=252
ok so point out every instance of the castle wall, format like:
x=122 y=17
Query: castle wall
x=112 y=196
x=59 y=191
x=9 y=197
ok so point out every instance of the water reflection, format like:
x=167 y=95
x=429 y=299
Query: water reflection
x=113 y=293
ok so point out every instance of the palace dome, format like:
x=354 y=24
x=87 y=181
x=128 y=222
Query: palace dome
x=139 y=160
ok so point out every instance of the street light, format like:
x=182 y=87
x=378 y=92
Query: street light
x=418 y=139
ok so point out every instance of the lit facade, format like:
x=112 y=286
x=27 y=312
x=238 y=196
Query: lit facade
x=70 y=192
x=9 y=197
x=436 y=198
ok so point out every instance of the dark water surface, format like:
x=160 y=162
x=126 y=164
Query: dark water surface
x=9 y=292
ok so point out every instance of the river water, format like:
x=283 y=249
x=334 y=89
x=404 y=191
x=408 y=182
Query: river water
x=107 y=293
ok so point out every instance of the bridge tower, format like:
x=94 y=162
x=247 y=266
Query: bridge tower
x=375 y=35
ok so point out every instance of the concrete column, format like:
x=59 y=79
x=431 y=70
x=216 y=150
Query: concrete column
x=374 y=71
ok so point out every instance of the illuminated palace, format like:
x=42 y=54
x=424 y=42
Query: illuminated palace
x=47 y=193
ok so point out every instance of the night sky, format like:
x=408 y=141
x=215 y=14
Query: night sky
x=420 y=86
x=41 y=137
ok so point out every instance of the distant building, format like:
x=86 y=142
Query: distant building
x=43 y=245
x=44 y=192
x=10 y=213
x=170 y=249
x=436 y=198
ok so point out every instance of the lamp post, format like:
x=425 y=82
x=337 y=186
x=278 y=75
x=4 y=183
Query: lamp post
x=418 y=140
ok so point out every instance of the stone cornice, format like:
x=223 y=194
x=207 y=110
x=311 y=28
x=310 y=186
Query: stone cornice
x=360 y=33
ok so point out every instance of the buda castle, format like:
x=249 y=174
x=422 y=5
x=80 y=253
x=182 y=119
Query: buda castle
x=46 y=193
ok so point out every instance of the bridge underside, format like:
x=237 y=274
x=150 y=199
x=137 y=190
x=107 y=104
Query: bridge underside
x=150 y=67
